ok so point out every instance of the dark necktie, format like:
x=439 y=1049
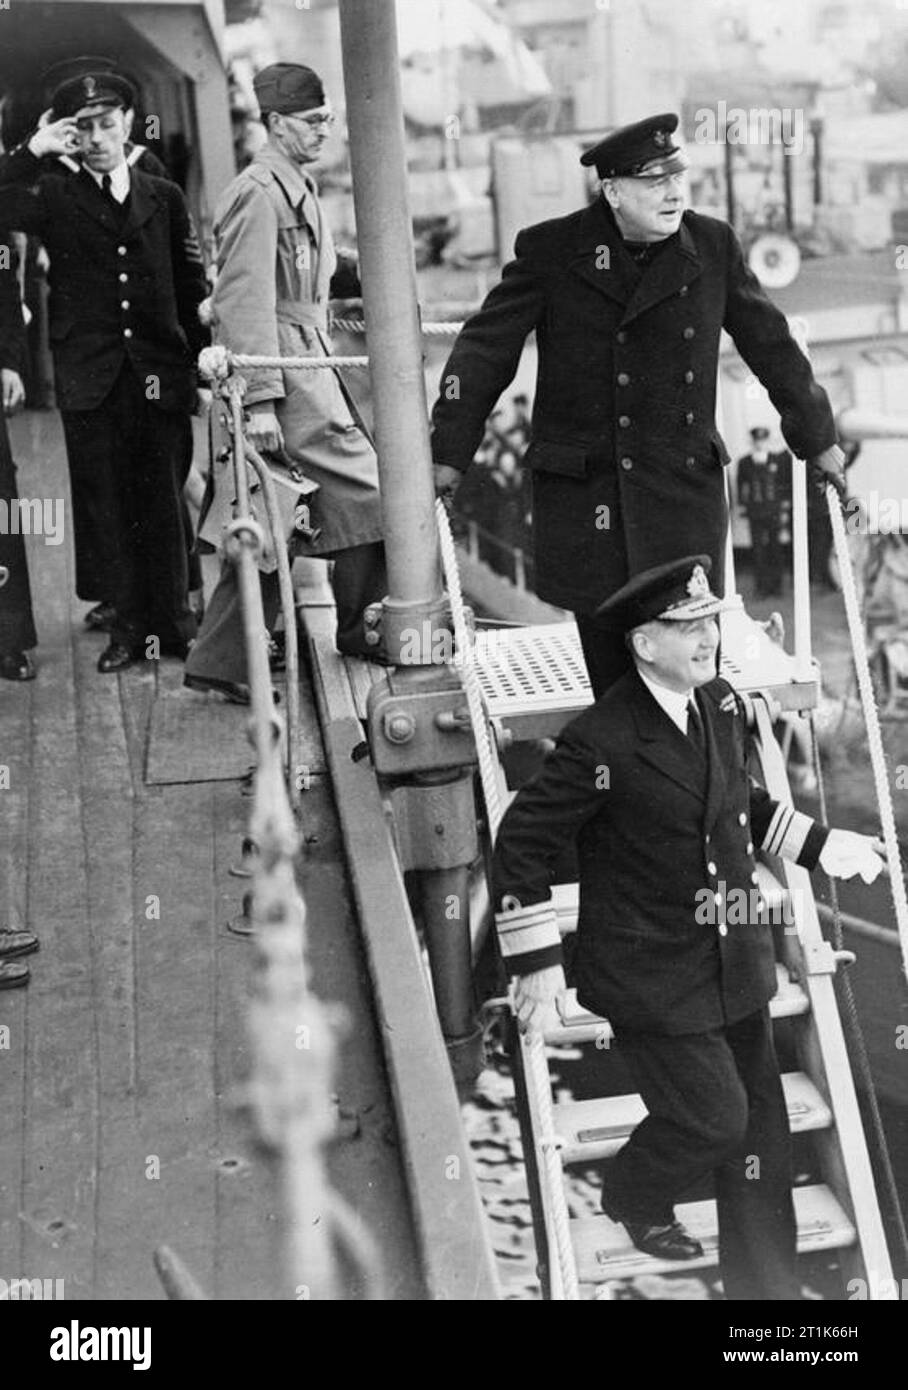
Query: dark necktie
x=695 y=726
x=106 y=188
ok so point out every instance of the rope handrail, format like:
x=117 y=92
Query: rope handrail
x=871 y=720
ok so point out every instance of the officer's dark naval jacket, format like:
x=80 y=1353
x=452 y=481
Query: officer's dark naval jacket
x=666 y=856
x=626 y=459
x=125 y=287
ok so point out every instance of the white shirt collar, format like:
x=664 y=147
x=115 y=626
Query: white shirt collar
x=673 y=702
x=119 y=180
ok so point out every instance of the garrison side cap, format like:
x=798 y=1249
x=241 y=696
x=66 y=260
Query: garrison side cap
x=674 y=592
x=642 y=150
x=288 y=87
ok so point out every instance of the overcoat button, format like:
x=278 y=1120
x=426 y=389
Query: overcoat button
x=627 y=464
x=124 y=303
x=749 y=847
x=754 y=878
x=710 y=868
x=127 y=332
x=688 y=333
x=623 y=379
x=123 y=277
x=689 y=418
x=690 y=461
x=621 y=336
x=723 y=929
x=624 y=421
x=121 y=250
x=688 y=377
x=742 y=817
x=717 y=899
x=683 y=290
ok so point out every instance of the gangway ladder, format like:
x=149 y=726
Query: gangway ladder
x=839 y=1213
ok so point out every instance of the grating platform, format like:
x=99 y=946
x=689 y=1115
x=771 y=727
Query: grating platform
x=534 y=679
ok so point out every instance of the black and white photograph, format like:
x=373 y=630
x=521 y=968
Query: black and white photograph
x=454 y=664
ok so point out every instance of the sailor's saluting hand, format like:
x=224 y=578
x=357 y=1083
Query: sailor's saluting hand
x=54 y=137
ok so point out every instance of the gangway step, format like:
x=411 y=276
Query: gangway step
x=594 y=1129
x=604 y=1251
x=580 y=1026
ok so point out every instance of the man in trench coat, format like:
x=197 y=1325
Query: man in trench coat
x=673 y=946
x=275 y=262
x=628 y=299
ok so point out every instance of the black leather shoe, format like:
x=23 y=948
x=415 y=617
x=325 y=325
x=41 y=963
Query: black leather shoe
x=12 y=974
x=117 y=657
x=671 y=1242
x=16 y=943
x=101 y=617
x=16 y=666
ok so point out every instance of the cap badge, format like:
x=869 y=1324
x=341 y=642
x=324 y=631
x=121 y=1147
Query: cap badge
x=660 y=138
x=698 y=584
x=89 y=86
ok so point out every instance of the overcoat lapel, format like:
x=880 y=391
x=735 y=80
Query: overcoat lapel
x=718 y=727
x=674 y=268
x=601 y=260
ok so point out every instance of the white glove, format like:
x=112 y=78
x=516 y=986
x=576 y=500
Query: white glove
x=846 y=853
x=534 y=997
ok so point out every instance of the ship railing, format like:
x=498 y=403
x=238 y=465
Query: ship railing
x=293 y=1034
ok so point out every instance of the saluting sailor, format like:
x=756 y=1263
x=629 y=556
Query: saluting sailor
x=628 y=299
x=126 y=279
x=666 y=844
x=275 y=263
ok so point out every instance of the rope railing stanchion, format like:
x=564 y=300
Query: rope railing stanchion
x=288 y=608
x=565 y=1285
x=871 y=720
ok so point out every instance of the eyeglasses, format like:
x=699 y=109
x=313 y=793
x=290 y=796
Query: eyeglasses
x=314 y=122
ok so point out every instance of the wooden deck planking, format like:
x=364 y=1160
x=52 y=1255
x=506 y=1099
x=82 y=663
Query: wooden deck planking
x=130 y=1041
x=61 y=1102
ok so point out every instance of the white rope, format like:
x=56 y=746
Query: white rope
x=548 y=1147
x=547 y=1143
x=871 y=720
x=241 y=359
x=431 y=330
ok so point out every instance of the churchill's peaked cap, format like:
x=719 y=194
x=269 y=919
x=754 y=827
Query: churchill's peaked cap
x=644 y=150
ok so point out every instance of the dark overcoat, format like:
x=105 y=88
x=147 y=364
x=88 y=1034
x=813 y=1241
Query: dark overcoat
x=626 y=458
x=658 y=835
x=118 y=292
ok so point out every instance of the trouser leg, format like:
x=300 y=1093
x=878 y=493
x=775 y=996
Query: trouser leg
x=757 y=1233
x=219 y=652
x=17 y=624
x=697 y=1116
x=360 y=578
x=92 y=456
x=604 y=651
x=153 y=596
